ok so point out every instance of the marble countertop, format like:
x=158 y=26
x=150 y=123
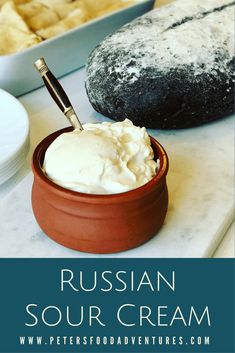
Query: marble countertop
x=200 y=183
x=227 y=247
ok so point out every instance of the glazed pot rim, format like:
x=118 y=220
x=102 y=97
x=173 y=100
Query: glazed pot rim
x=147 y=188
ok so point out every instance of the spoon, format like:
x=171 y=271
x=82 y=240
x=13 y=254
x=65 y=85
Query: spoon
x=57 y=93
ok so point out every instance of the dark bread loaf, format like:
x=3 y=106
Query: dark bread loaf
x=171 y=68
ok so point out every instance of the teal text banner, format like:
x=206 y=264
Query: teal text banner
x=116 y=305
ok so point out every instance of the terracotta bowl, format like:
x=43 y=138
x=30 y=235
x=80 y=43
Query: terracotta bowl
x=99 y=223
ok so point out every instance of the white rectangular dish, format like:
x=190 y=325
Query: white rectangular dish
x=63 y=53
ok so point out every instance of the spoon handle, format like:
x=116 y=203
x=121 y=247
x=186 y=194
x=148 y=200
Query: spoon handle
x=57 y=93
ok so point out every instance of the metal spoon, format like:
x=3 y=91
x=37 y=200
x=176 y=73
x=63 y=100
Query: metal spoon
x=57 y=93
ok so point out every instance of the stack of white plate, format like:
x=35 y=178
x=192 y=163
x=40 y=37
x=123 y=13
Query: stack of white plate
x=14 y=135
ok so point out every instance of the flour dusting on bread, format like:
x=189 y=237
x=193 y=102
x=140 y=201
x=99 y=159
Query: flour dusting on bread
x=148 y=41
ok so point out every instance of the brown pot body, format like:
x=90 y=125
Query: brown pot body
x=99 y=223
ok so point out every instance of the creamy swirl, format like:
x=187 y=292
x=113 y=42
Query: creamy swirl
x=105 y=158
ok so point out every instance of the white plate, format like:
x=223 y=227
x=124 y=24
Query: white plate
x=14 y=135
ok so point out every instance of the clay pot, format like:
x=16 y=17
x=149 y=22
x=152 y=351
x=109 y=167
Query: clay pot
x=99 y=223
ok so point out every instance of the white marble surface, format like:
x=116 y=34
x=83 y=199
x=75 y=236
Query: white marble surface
x=200 y=182
x=227 y=246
